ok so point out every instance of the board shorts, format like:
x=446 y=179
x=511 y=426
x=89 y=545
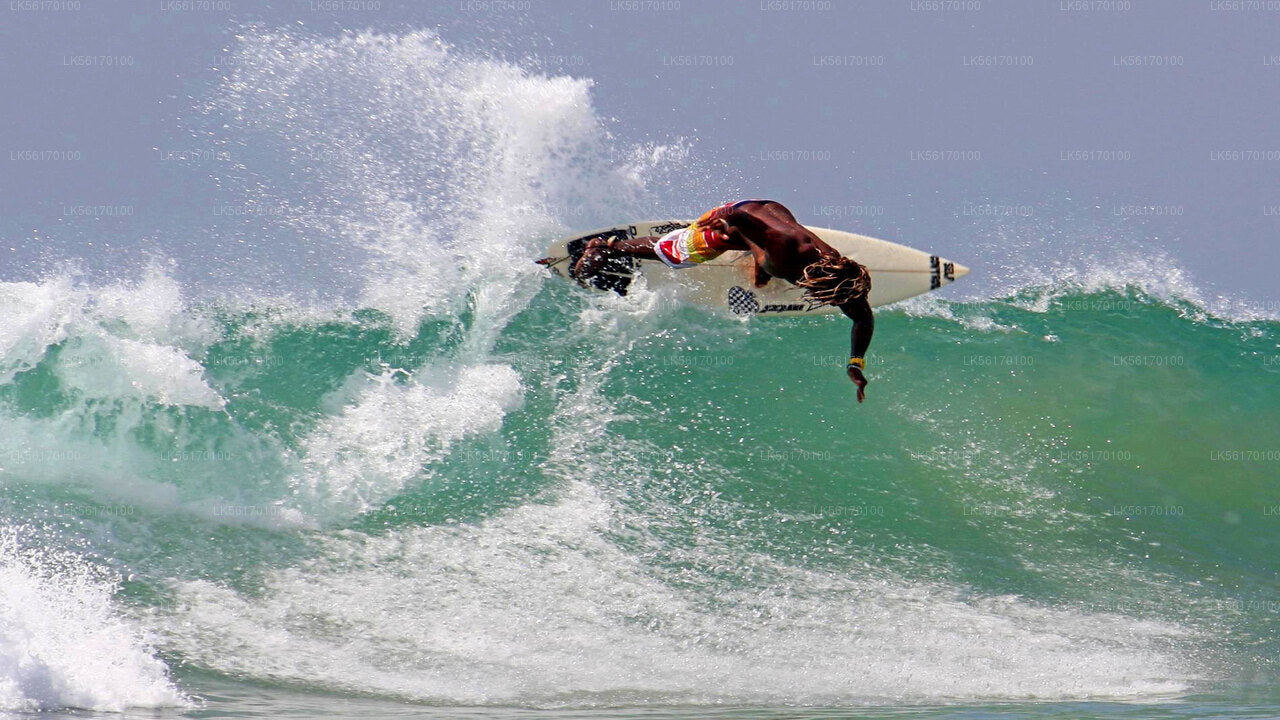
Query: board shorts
x=685 y=247
x=697 y=243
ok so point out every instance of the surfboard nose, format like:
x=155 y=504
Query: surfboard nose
x=944 y=271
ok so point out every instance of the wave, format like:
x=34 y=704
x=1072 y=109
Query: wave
x=594 y=485
x=460 y=483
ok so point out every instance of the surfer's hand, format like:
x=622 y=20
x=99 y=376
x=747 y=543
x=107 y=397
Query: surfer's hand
x=720 y=229
x=855 y=374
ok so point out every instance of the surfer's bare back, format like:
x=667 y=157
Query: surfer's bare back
x=781 y=247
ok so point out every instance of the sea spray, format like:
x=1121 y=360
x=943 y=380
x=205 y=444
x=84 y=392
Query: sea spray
x=62 y=642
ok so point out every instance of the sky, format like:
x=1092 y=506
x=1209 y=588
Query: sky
x=990 y=131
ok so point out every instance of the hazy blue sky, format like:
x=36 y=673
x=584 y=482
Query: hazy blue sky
x=957 y=125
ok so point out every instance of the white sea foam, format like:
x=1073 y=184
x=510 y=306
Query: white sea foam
x=394 y=427
x=62 y=644
x=33 y=316
x=543 y=606
x=128 y=338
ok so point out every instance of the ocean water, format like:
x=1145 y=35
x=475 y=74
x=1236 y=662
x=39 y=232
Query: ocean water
x=456 y=487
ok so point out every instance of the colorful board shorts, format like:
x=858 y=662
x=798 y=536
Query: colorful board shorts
x=695 y=244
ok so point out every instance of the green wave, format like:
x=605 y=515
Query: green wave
x=1102 y=451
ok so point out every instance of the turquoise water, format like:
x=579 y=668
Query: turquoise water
x=1057 y=497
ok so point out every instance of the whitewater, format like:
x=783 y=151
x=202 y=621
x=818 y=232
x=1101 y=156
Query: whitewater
x=437 y=479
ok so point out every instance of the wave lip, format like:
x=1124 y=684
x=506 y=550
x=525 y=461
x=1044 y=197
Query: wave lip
x=385 y=437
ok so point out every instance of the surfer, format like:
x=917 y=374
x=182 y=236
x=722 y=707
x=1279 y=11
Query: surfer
x=781 y=248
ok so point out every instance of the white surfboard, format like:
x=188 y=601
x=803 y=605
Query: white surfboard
x=897 y=272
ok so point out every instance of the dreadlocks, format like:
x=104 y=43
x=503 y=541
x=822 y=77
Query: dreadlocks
x=834 y=281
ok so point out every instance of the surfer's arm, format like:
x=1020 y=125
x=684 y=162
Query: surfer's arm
x=864 y=326
x=641 y=247
x=762 y=276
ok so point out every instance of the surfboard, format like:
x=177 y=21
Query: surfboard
x=897 y=272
